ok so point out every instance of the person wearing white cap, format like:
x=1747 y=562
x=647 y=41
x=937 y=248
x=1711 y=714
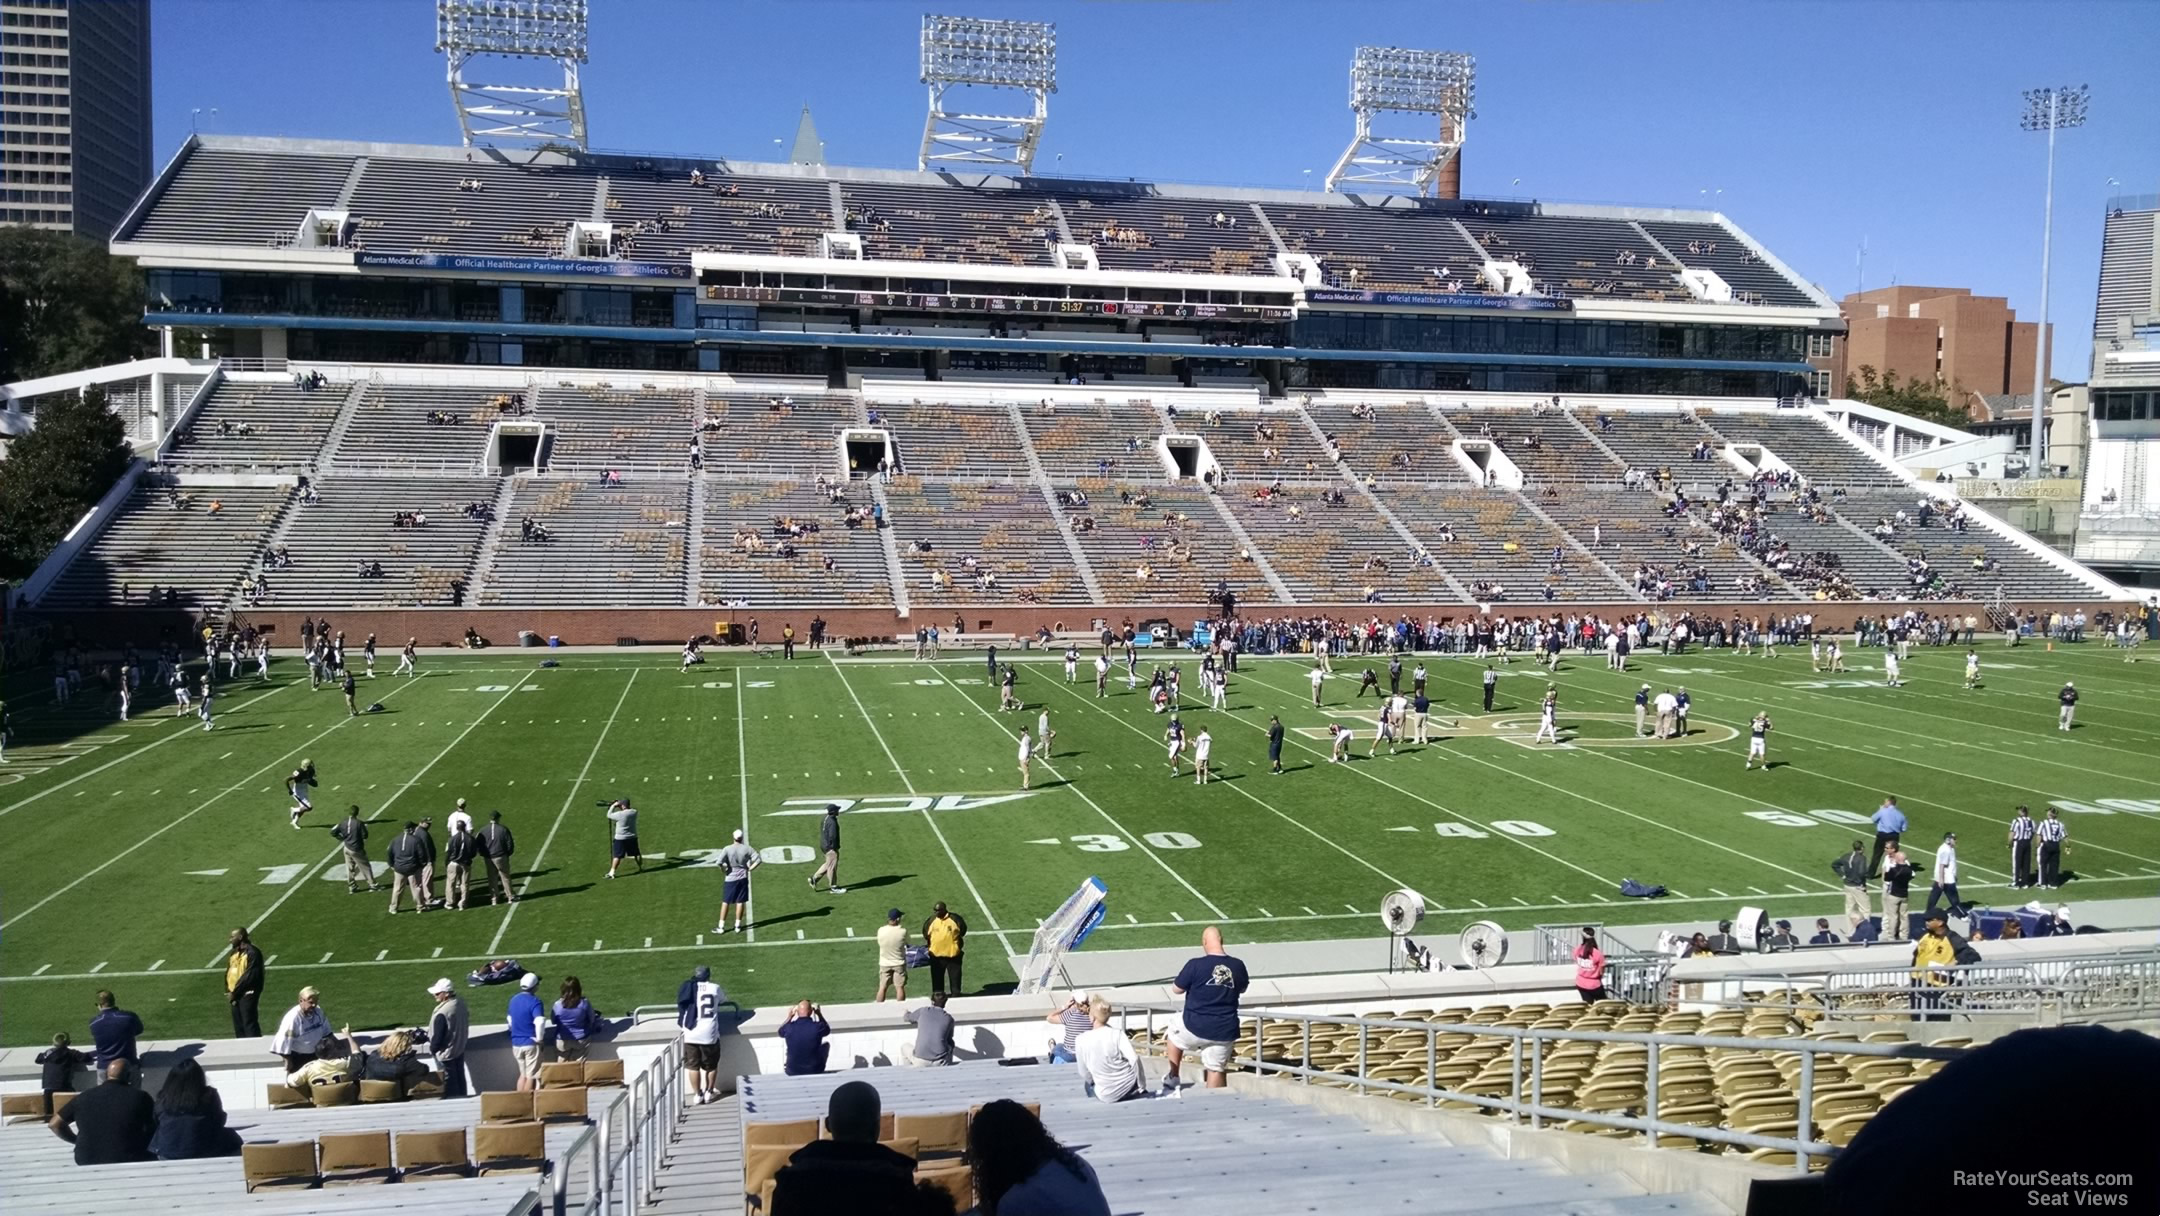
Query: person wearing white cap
x=528 y=1026
x=1072 y=1018
x=446 y=1036
x=736 y=862
x=460 y=815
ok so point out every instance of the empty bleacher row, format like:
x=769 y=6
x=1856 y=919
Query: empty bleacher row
x=259 y=423
x=950 y=224
x=196 y=541
x=1138 y=231
x=1335 y=553
x=224 y=196
x=748 y=522
x=420 y=426
x=1501 y=550
x=935 y=440
x=1712 y=247
x=1390 y=442
x=672 y=217
x=1650 y=439
x=1546 y=447
x=950 y=534
x=426 y=561
x=607 y=546
x=410 y=205
x=1816 y=452
x=1097 y=441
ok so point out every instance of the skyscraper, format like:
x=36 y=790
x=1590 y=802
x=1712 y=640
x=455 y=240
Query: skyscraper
x=74 y=112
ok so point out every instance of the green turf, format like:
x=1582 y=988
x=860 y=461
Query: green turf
x=102 y=823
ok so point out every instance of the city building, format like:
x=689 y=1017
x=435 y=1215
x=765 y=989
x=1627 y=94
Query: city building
x=74 y=112
x=1974 y=345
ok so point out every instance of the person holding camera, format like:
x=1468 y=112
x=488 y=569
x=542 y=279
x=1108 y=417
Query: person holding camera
x=805 y=1033
x=625 y=841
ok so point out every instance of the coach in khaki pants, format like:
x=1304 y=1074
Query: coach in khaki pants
x=1896 y=886
x=1853 y=869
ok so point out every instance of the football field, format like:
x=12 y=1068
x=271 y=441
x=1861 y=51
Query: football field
x=132 y=849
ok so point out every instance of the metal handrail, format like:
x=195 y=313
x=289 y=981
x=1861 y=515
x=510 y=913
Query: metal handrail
x=643 y=1118
x=1526 y=1093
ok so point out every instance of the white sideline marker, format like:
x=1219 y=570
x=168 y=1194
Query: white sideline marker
x=42 y=970
x=98 y=968
x=326 y=957
x=380 y=955
x=161 y=962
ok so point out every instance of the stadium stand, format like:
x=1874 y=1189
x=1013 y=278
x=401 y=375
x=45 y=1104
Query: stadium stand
x=412 y=205
x=356 y=522
x=937 y=440
x=1096 y=441
x=597 y=427
x=1631 y=531
x=226 y=196
x=259 y=422
x=794 y=434
x=1713 y=247
x=1813 y=450
x=1546 y=447
x=951 y=224
x=1334 y=554
x=1390 y=248
x=1389 y=442
x=1133 y=230
x=1006 y=530
x=2016 y=571
x=740 y=512
x=665 y=217
x=1650 y=439
x=420 y=426
x=606 y=545
x=199 y=550
x=1580 y=257
x=1502 y=551
x=1257 y=445
x=1155 y=543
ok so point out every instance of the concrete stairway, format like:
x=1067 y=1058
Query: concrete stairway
x=351 y=405
x=702 y=1171
x=1283 y=594
x=894 y=572
x=1620 y=585
x=1041 y=477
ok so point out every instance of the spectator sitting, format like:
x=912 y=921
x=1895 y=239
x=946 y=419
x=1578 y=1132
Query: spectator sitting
x=577 y=1023
x=191 y=1117
x=1109 y=1069
x=332 y=1065
x=851 y=1172
x=1823 y=935
x=109 y=1124
x=1020 y=1167
x=394 y=1060
x=933 y=1033
x=805 y=1033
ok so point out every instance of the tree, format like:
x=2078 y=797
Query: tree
x=66 y=304
x=53 y=474
x=1923 y=399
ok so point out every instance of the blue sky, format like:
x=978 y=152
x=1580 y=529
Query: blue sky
x=1814 y=125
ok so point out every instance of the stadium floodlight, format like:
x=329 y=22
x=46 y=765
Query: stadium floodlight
x=1392 y=80
x=2048 y=110
x=524 y=112
x=971 y=54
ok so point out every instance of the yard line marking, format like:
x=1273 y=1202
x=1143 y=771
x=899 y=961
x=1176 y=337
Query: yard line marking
x=1480 y=903
x=1352 y=907
x=798 y=935
x=42 y=969
x=596 y=945
x=154 y=966
x=568 y=798
x=1795 y=887
x=437 y=954
x=1129 y=919
x=742 y=766
x=1758 y=890
x=1524 y=902
x=1266 y=913
x=928 y=818
x=325 y=958
x=169 y=737
x=1179 y=919
x=1309 y=911
x=170 y=825
x=648 y=943
x=98 y=968
x=226 y=756
x=544 y=946
x=337 y=849
x=380 y=955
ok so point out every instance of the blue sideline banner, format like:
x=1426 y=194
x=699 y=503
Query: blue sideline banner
x=1434 y=299
x=463 y=263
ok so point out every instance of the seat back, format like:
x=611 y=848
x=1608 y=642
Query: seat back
x=507 y=1106
x=884 y=1127
x=28 y=1108
x=423 y=1156
x=790 y=1134
x=603 y=1072
x=559 y=1105
x=1033 y=1108
x=567 y=1074
x=285 y=1165
x=906 y=1147
x=935 y=1134
x=286 y=1097
x=500 y=1148
x=761 y=1164
x=957 y=1181
x=345 y=1093
x=355 y=1157
x=381 y=1091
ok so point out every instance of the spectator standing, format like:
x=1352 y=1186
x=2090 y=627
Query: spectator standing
x=1021 y=1169
x=528 y=1026
x=405 y=856
x=829 y=844
x=933 y=1033
x=1589 y=967
x=191 y=1117
x=805 y=1033
x=301 y=1030
x=244 y=985
x=1211 y=985
x=1890 y=826
x=1853 y=869
x=496 y=847
x=1896 y=887
x=112 y=1034
x=892 y=943
x=577 y=1023
x=736 y=862
x=352 y=833
x=458 y=855
x=448 y=1027
x=1109 y=1067
x=1072 y=1021
x=110 y=1123
x=851 y=1172
x=57 y=1065
x=697 y=1011
x=946 y=935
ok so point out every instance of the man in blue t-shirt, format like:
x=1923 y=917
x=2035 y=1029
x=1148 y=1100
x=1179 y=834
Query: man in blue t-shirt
x=1210 y=985
x=805 y=1033
x=528 y=1022
x=113 y=1031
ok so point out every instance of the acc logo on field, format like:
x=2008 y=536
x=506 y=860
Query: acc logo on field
x=897 y=804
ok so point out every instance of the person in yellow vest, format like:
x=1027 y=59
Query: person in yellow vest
x=1933 y=952
x=946 y=935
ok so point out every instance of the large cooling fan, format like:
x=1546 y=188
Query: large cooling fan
x=1401 y=911
x=1484 y=944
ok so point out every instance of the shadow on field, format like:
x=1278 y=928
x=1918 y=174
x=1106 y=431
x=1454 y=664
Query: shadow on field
x=1050 y=785
x=552 y=891
x=768 y=922
x=882 y=880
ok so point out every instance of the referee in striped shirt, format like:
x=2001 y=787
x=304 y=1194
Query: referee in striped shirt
x=2052 y=832
x=2021 y=847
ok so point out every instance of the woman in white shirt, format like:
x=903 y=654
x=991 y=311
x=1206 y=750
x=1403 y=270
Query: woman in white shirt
x=303 y=1027
x=1109 y=1069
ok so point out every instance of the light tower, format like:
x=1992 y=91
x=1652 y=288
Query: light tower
x=2048 y=110
x=973 y=53
x=1391 y=80
x=524 y=113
